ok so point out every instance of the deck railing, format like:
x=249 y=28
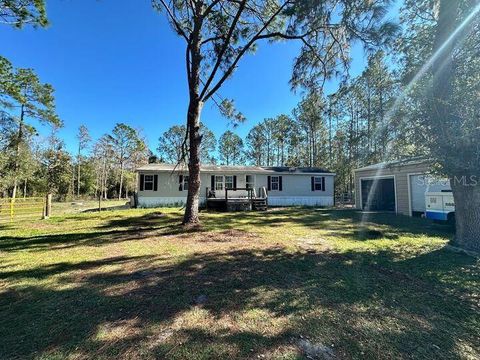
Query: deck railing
x=250 y=197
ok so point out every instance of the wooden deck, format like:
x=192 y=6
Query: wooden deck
x=226 y=203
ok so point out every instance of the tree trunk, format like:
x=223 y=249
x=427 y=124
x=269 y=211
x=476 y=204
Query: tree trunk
x=97 y=182
x=330 y=152
x=268 y=152
x=193 y=120
x=71 y=188
x=78 y=173
x=283 y=153
x=17 y=152
x=103 y=189
x=466 y=194
x=466 y=190
x=25 y=188
x=121 y=182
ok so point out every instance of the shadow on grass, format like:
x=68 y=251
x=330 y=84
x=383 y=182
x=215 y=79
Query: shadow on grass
x=348 y=224
x=114 y=231
x=341 y=223
x=367 y=305
x=108 y=208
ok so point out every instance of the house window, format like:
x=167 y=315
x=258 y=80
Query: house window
x=185 y=182
x=148 y=182
x=275 y=181
x=218 y=182
x=249 y=182
x=318 y=183
x=228 y=182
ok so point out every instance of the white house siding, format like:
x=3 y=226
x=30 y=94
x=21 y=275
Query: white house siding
x=296 y=189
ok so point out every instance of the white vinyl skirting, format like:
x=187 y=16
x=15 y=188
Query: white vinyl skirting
x=149 y=202
x=300 y=201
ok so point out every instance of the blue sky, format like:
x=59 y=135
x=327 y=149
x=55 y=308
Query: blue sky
x=119 y=61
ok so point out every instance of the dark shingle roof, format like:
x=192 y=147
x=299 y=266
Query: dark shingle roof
x=218 y=168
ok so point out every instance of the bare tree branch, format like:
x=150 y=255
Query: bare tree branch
x=233 y=25
x=240 y=54
x=173 y=19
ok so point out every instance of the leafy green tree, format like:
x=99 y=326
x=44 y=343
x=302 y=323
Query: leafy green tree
x=22 y=91
x=20 y=12
x=283 y=127
x=7 y=85
x=88 y=183
x=219 y=33
x=208 y=145
x=103 y=154
x=255 y=143
x=309 y=115
x=173 y=145
x=267 y=129
x=230 y=148
x=440 y=70
x=56 y=172
x=126 y=144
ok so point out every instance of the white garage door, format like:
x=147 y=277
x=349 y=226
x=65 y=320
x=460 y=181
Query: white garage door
x=418 y=186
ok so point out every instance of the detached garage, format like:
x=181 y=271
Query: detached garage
x=397 y=186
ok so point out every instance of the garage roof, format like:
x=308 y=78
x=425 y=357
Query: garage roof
x=396 y=163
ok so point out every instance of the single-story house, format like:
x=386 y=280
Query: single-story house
x=165 y=184
x=397 y=186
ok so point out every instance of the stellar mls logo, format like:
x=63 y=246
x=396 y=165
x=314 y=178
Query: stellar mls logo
x=429 y=180
x=465 y=180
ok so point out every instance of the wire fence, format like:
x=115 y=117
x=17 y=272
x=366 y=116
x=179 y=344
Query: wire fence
x=22 y=208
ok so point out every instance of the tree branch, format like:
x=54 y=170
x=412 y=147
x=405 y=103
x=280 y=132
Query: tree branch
x=240 y=54
x=224 y=47
x=174 y=20
x=213 y=38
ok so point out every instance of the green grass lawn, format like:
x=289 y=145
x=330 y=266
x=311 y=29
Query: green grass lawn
x=286 y=284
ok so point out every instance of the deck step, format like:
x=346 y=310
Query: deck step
x=260 y=204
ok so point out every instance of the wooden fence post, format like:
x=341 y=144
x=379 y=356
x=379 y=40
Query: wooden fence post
x=48 y=206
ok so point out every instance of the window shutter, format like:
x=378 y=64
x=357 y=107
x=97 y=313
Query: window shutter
x=313 y=183
x=212 y=183
x=323 y=183
x=280 y=187
x=142 y=179
x=234 y=181
x=269 y=183
x=180 y=181
x=155 y=183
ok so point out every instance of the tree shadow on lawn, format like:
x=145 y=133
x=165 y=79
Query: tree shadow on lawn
x=124 y=229
x=367 y=305
x=66 y=240
x=348 y=223
x=339 y=223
